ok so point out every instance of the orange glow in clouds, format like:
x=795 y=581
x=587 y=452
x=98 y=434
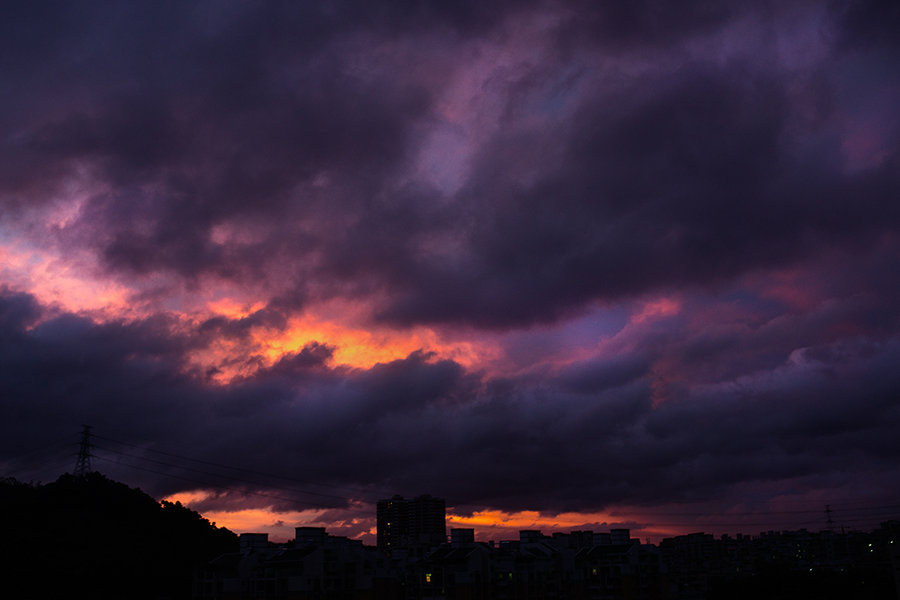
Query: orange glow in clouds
x=353 y=346
x=69 y=284
x=528 y=519
x=500 y=525
x=279 y=525
x=489 y=524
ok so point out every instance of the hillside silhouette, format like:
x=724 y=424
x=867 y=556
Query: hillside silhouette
x=89 y=536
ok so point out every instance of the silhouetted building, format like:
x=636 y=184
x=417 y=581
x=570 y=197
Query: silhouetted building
x=531 y=536
x=620 y=536
x=578 y=565
x=414 y=524
x=317 y=566
x=415 y=561
x=254 y=541
x=460 y=538
x=309 y=536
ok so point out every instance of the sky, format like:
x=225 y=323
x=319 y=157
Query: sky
x=568 y=265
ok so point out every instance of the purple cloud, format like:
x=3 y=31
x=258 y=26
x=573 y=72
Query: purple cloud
x=649 y=252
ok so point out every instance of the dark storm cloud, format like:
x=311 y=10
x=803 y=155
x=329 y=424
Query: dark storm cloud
x=240 y=101
x=692 y=182
x=793 y=423
x=271 y=144
x=17 y=311
x=789 y=423
x=242 y=327
x=193 y=115
x=735 y=336
x=314 y=355
x=581 y=440
x=648 y=23
x=69 y=370
x=872 y=25
x=597 y=375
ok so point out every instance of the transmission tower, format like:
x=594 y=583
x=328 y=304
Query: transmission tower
x=83 y=464
x=829 y=520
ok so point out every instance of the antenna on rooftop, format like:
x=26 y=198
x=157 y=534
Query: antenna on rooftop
x=83 y=464
x=829 y=520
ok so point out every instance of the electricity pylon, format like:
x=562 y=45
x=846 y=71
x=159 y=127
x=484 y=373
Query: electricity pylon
x=83 y=464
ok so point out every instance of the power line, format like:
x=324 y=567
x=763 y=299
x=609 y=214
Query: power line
x=231 y=478
x=848 y=513
x=710 y=521
x=208 y=484
x=246 y=470
x=57 y=467
x=810 y=511
x=67 y=441
x=771 y=523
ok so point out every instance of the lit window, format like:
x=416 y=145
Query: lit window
x=427 y=577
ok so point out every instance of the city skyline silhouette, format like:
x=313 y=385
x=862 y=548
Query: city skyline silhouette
x=72 y=523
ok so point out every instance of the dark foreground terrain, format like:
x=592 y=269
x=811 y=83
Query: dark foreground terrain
x=92 y=537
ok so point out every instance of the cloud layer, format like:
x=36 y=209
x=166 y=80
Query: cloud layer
x=553 y=256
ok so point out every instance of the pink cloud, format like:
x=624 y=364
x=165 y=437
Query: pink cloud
x=657 y=309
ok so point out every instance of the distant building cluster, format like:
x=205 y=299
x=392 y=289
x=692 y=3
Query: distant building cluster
x=414 y=560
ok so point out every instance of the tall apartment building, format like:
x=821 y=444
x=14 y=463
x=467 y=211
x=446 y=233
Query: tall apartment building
x=413 y=524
